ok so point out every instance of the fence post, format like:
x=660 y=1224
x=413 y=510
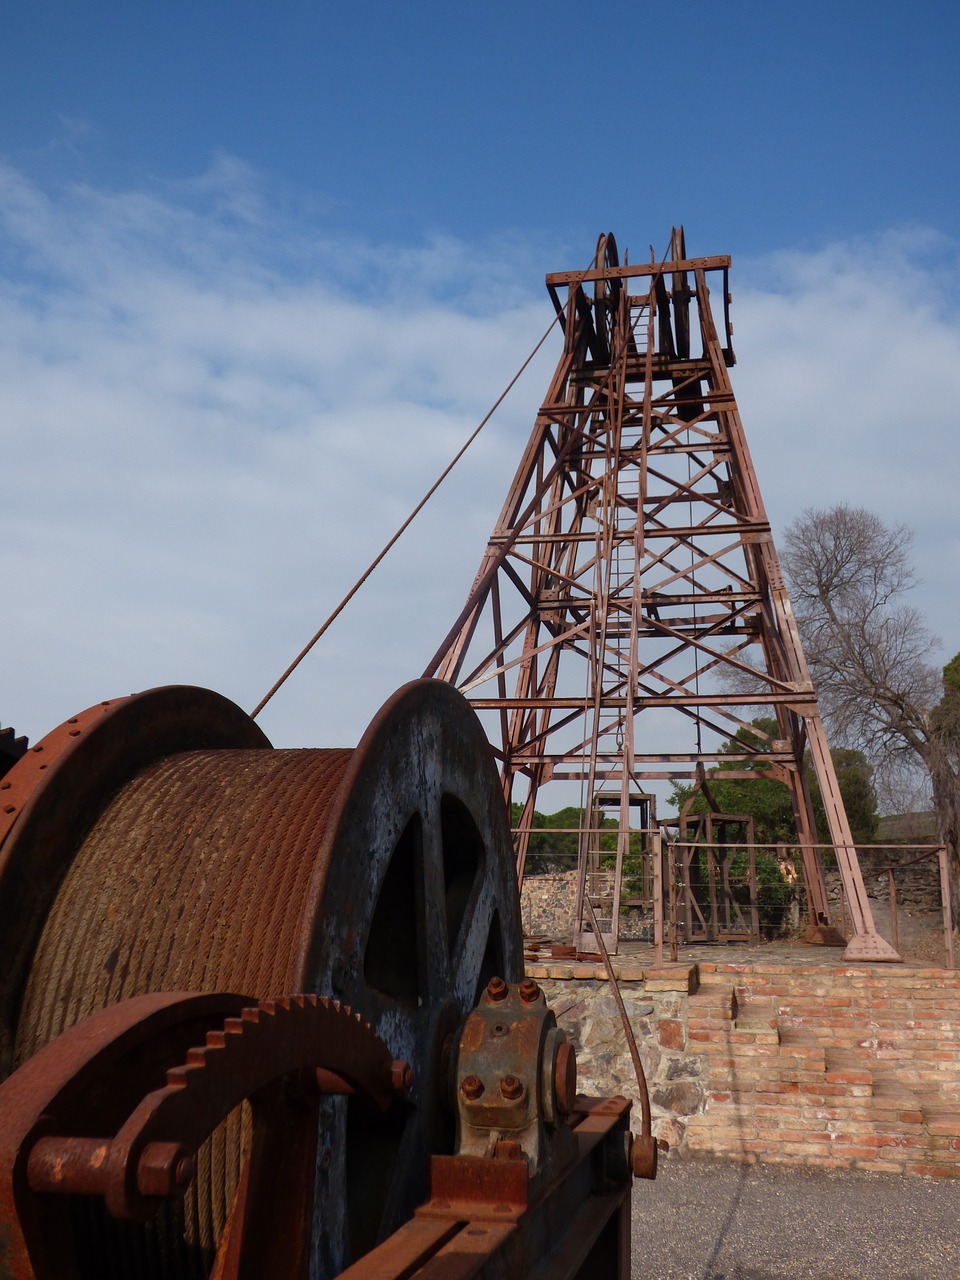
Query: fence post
x=843 y=910
x=947 y=910
x=672 y=899
x=894 y=929
x=658 y=897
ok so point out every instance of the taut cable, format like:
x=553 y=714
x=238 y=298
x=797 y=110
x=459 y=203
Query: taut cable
x=406 y=524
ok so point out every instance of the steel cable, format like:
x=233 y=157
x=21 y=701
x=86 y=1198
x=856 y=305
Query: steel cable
x=406 y=524
x=164 y=894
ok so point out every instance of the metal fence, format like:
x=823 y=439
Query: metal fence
x=644 y=885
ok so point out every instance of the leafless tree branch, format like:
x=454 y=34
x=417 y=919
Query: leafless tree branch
x=870 y=654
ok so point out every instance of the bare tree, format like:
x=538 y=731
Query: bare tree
x=870 y=654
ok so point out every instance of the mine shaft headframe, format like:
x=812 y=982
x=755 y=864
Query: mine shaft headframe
x=633 y=560
x=599 y=299
x=261 y=1011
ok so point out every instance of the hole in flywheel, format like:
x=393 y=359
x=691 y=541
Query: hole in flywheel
x=492 y=964
x=391 y=961
x=373 y=1143
x=463 y=858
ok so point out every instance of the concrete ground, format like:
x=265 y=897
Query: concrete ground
x=719 y=1220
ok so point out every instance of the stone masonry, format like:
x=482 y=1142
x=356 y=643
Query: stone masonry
x=840 y=1067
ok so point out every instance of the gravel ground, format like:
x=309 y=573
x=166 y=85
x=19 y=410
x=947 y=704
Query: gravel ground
x=705 y=1220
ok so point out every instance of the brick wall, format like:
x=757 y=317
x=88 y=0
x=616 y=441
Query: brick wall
x=846 y=1067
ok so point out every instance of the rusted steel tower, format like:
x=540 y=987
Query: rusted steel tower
x=631 y=565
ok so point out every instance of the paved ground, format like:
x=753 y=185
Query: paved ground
x=704 y=1220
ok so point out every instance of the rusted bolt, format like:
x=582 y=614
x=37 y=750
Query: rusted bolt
x=164 y=1169
x=529 y=991
x=401 y=1076
x=565 y=1078
x=511 y=1088
x=471 y=1087
x=497 y=989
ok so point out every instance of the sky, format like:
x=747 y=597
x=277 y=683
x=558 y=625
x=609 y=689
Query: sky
x=263 y=267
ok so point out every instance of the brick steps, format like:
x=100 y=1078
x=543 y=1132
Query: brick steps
x=855 y=1067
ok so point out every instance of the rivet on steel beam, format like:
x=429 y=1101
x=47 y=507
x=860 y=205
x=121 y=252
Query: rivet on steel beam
x=511 y=1088
x=497 y=989
x=471 y=1087
x=529 y=991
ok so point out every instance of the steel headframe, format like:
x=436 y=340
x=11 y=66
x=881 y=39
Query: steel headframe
x=632 y=564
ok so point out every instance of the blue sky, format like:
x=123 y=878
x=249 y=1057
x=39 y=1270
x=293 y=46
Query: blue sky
x=263 y=267
x=758 y=124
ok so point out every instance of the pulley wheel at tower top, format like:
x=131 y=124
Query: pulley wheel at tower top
x=606 y=297
x=380 y=876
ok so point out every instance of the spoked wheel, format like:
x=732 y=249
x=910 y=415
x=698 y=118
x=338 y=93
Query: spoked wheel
x=606 y=297
x=181 y=853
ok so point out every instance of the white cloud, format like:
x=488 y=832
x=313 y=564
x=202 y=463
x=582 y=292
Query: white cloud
x=849 y=385
x=203 y=449
x=213 y=418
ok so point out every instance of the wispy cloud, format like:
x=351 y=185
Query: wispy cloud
x=203 y=446
x=213 y=416
x=850 y=388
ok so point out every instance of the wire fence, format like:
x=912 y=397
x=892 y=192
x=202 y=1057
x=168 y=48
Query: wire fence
x=673 y=892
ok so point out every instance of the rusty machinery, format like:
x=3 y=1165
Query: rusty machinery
x=262 y=1012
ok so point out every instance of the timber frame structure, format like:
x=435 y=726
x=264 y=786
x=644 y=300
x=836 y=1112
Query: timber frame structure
x=631 y=566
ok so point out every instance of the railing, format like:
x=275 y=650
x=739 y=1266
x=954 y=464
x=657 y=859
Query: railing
x=926 y=851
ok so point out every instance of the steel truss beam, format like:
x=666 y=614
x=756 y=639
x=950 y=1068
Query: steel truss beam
x=633 y=564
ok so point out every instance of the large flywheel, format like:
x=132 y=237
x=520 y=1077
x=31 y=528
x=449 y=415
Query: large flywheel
x=159 y=844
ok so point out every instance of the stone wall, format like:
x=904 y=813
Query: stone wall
x=548 y=905
x=657 y=1009
x=846 y=1067
x=548 y=902
x=918 y=886
x=548 y=908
